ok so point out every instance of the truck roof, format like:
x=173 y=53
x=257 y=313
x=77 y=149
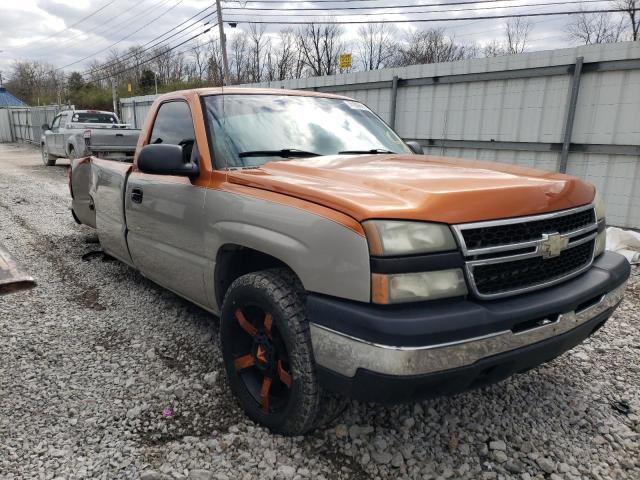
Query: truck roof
x=249 y=91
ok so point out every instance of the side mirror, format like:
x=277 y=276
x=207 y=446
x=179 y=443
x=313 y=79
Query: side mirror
x=415 y=147
x=166 y=159
x=45 y=127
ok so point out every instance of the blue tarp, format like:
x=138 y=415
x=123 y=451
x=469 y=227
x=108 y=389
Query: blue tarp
x=8 y=100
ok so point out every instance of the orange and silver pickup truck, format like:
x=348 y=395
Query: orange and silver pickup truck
x=341 y=261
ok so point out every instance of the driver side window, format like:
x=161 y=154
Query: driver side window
x=174 y=125
x=56 y=122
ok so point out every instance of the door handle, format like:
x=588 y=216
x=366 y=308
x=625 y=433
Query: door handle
x=136 y=195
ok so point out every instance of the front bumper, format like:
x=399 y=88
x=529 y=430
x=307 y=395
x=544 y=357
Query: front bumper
x=447 y=347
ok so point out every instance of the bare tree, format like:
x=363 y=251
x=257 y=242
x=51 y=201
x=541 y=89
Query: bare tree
x=259 y=44
x=239 y=57
x=319 y=47
x=517 y=32
x=375 y=45
x=593 y=28
x=632 y=10
x=428 y=46
x=200 y=60
x=493 y=49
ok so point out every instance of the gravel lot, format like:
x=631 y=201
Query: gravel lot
x=93 y=356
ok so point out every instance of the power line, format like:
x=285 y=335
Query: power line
x=164 y=52
x=314 y=15
x=139 y=52
x=368 y=7
x=425 y=20
x=123 y=38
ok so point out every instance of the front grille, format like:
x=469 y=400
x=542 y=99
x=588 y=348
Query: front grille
x=496 y=235
x=503 y=277
x=515 y=255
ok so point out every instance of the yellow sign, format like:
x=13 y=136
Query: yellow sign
x=128 y=87
x=345 y=61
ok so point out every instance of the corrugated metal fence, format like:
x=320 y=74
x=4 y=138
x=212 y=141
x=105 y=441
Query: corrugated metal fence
x=24 y=124
x=134 y=110
x=575 y=110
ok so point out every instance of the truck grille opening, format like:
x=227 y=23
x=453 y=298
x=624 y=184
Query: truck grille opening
x=496 y=235
x=517 y=255
x=515 y=275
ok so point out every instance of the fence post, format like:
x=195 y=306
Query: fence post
x=135 y=115
x=571 y=114
x=394 y=97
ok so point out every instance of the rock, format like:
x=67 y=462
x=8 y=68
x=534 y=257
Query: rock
x=546 y=464
x=354 y=432
x=499 y=456
x=341 y=431
x=134 y=412
x=381 y=457
x=498 y=445
x=380 y=444
x=151 y=475
x=200 y=475
x=210 y=379
x=150 y=354
x=397 y=460
x=269 y=457
x=513 y=467
x=286 y=471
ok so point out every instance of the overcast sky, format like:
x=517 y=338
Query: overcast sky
x=35 y=29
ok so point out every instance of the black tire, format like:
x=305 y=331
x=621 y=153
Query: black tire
x=48 y=159
x=290 y=410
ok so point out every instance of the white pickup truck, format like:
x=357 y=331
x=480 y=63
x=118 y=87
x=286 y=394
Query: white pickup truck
x=80 y=133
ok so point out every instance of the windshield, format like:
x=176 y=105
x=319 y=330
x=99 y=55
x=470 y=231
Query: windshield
x=93 y=117
x=250 y=130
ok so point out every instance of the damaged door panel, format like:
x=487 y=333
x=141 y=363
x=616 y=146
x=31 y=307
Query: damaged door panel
x=12 y=278
x=80 y=184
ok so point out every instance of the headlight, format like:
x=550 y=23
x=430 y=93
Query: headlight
x=598 y=204
x=394 y=237
x=415 y=287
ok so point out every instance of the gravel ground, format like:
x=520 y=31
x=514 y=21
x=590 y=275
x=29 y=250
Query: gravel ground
x=105 y=375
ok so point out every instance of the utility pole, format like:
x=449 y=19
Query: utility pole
x=155 y=79
x=223 y=43
x=114 y=94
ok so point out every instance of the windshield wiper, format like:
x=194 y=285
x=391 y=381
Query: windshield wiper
x=373 y=150
x=284 y=153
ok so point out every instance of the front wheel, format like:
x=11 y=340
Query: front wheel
x=267 y=353
x=47 y=159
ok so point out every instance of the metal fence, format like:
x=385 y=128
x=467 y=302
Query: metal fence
x=134 y=110
x=573 y=110
x=24 y=124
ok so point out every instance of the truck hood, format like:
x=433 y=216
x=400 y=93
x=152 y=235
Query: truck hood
x=424 y=187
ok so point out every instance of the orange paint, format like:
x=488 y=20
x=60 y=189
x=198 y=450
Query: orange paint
x=351 y=189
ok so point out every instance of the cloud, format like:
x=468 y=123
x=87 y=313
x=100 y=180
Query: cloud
x=29 y=27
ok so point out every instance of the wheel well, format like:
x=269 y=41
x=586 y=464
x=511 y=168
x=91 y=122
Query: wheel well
x=233 y=261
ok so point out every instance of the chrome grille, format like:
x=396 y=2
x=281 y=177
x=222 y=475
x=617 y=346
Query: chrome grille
x=516 y=255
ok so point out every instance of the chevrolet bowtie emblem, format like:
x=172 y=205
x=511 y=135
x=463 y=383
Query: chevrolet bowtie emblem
x=553 y=244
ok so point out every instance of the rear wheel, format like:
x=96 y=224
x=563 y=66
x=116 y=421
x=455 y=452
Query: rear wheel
x=47 y=159
x=267 y=352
